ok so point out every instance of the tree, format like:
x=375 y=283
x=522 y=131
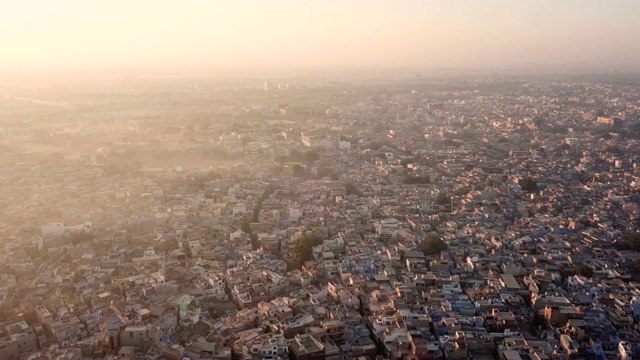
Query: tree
x=121 y=165
x=303 y=251
x=425 y=179
x=584 y=270
x=80 y=237
x=201 y=120
x=535 y=144
x=451 y=142
x=606 y=136
x=433 y=245
x=310 y=156
x=614 y=149
x=210 y=176
x=564 y=146
x=528 y=184
x=634 y=270
x=406 y=161
x=352 y=189
x=298 y=170
x=216 y=151
x=630 y=241
x=295 y=155
x=443 y=199
x=327 y=172
x=585 y=201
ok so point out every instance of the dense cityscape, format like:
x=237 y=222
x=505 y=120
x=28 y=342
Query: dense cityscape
x=357 y=217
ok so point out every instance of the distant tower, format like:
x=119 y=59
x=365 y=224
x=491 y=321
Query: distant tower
x=266 y=86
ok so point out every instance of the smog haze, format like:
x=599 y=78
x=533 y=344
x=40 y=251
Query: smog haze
x=220 y=35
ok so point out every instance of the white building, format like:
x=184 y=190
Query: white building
x=344 y=145
x=149 y=255
x=295 y=212
x=53 y=229
x=86 y=226
x=624 y=350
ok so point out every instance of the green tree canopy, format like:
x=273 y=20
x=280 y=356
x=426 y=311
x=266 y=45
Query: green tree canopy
x=298 y=170
x=118 y=166
x=406 y=161
x=310 y=155
x=80 y=237
x=295 y=155
x=210 y=176
x=433 y=245
x=630 y=241
x=443 y=199
x=528 y=184
x=303 y=251
x=408 y=179
x=217 y=152
x=327 y=172
x=351 y=189
x=584 y=270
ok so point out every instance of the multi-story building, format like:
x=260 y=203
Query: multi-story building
x=21 y=339
x=306 y=347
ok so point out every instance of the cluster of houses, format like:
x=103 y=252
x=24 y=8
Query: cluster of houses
x=531 y=192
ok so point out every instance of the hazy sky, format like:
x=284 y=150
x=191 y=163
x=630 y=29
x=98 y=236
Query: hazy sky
x=69 y=34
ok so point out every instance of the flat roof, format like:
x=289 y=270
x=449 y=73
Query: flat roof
x=510 y=282
x=511 y=355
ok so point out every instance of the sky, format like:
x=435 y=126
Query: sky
x=244 y=34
